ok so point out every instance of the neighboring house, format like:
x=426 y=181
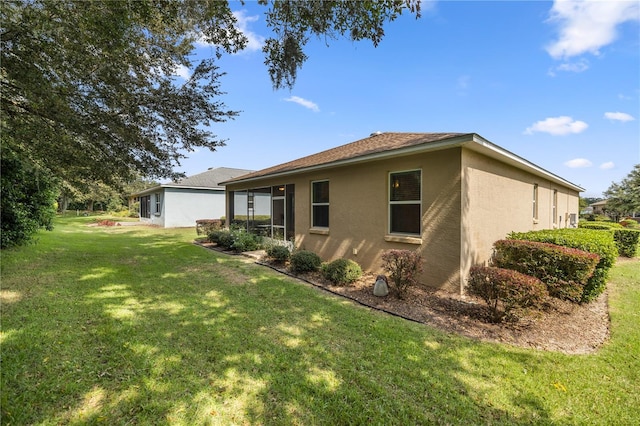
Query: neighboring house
x=180 y=204
x=599 y=207
x=448 y=195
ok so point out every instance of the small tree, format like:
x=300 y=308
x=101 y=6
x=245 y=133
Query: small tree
x=27 y=199
x=403 y=267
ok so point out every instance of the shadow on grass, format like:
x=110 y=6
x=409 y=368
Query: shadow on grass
x=143 y=328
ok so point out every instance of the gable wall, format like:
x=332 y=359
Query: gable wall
x=181 y=207
x=498 y=199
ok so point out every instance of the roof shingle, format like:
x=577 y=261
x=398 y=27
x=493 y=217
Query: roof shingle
x=376 y=143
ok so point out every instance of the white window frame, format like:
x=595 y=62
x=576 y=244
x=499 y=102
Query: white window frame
x=158 y=207
x=409 y=202
x=535 y=203
x=554 y=207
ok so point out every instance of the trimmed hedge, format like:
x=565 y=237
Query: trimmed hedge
x=598 y=225
x=341 y=271
x=591 y=240
x=564 y=270
x=505 y=291
x=304 y=261
x=627 y=241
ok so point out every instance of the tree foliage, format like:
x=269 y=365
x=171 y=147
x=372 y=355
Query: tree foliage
x=294 y=21
x=27 y=200
x=89 y=88
x=624 y=197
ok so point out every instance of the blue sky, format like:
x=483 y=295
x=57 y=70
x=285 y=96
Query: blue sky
x=557 y=83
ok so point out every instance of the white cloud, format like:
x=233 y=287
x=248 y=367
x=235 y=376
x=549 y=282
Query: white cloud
x=607 y=166
x=183 y=72
x=304 y=102
x=618 y=116
x=256 y=41
x=562 y=125
x=586 y=26
x=578 y=163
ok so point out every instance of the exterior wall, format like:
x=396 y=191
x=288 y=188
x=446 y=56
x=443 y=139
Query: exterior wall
x=182 y=207
x=156 y=218
x=358 y=214
x=498 y=199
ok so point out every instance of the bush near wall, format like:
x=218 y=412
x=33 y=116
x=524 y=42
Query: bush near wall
x=403 y=267
x=205 y=226
x=341 y=271
x=565 y=271
x=304 y=261
x=505 y=291
x=627 y=241
x=278 y=253
x=591 y=240
x=238 y=240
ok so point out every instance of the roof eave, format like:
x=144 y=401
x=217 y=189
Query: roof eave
x=399 y=152
x=169 y=185
x=494 y=151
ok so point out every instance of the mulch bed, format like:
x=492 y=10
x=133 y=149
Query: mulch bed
x=561 y=326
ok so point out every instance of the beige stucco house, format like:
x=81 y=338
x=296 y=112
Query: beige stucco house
x=448 y=195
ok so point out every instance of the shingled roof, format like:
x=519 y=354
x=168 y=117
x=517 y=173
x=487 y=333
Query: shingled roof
x=211 y=179
x=377 y=143
x=385 y=145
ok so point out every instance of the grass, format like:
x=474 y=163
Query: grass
x=125 y=325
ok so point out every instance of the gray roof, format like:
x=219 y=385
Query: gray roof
x=210 y=179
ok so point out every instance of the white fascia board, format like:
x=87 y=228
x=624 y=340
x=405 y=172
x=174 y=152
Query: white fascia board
x=169 y=185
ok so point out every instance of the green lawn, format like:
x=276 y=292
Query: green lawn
x=125 y=325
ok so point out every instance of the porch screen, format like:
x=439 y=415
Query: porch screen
x=405 y=196
x=145 y=206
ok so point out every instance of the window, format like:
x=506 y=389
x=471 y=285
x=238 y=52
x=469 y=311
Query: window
x=320 y=204
x=157 y=203
x=405 y=202
x=535 y=201
x=554 y=207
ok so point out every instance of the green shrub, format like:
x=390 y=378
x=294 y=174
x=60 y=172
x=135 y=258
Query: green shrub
x=505 y=291
x=244 y=241
x=627 y=241
x=565 y=271
x=597 y=225
x=341 y=271
x=591 y=240
x=278 y=253
x=205 y=226
x=222 y=237
x=403 y=267
x=236 y=239
x=304 y=261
